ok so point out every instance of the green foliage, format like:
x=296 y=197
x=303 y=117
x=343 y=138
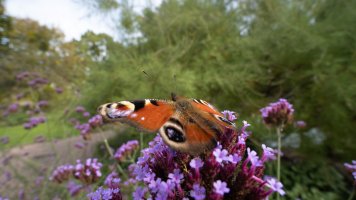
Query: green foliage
x=313 y=180
x=242 y=57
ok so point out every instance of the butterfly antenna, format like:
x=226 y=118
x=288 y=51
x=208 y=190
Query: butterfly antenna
x=146 y=73
x=175 y=83
x=174 y=96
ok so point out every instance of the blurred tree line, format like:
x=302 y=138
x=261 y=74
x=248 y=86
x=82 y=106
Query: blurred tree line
x=238 y=55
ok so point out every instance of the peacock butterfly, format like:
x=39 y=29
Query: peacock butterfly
x=187 y=125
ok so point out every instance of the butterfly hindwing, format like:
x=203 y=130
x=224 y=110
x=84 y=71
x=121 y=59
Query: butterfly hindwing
x=182 y=133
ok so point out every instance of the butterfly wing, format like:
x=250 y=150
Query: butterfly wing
x=194 y=126
x=213 y=113
x=185 y=125
x=148 y=114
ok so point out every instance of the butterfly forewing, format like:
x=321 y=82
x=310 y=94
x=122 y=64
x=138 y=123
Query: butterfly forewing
x=148 y=115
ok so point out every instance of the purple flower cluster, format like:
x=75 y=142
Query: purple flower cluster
x=112 y=190
x=230 y=115
x=105 y=194
x=352 y=168
x=88 y=172
x=225 y=172
x=42 y=103
x=278 y=113
x=300 y=124
x=85 y=128
x=95 y=121
x=33 y=122
x=12 y=108
x=35 y=79
x=62 y=173
x=126 y=150
x=3 y=198
x=58 y=90
x=112 y=180
x=4 y=139
x=81 y=109
x=74 y=188
x=37 y=82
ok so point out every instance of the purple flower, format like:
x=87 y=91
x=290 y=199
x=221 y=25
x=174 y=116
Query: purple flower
x=198 y=192
x=235 y=158
x=300 y=124
x=20 y=96
x=4 y=139
x=176 y=177
x=40 y=139
x=230 y=115
x=95 y=121
x=196 y=163
x=7 y=176
x=58 y=90
x=73 y=188
x=22 y=75
x=252 y=155
x=141 y=172
x=42 y=103
x=126 y=150
x=112 y=180
x=62 y=173
x=27 y=126
x=268 y=153
x=278 y=113
x=86 y=114
x=220 y=187
x=21 y=194
x=139 y=193
x=154 y=185
x=79 y=109
x=89 y=172
x=352 y=168
x=3 y=198
x=79 y=145
x=221 y=155
x=39 y=180
x=13 y=107
x=105 y=194
x=84 y=130
x=168 y=174
x=276 y=186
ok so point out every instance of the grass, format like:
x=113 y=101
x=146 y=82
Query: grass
x=54 y=128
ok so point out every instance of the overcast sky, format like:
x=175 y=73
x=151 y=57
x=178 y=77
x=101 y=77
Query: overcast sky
x=68 y=15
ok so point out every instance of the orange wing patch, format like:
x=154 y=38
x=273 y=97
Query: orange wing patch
x=147 y=114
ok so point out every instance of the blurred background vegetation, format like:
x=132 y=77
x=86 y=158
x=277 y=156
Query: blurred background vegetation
x=238 y=55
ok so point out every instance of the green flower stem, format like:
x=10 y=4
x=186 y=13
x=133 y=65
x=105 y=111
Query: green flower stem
x=108 y=148
x=279 y=135
x=141 y=141
x=352 y=194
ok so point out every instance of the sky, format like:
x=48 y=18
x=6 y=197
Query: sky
x=70 y=16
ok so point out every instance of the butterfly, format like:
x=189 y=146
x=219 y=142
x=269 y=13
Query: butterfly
x=186 y=125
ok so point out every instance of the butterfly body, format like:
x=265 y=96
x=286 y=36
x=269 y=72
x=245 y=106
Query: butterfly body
x=187 y=125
